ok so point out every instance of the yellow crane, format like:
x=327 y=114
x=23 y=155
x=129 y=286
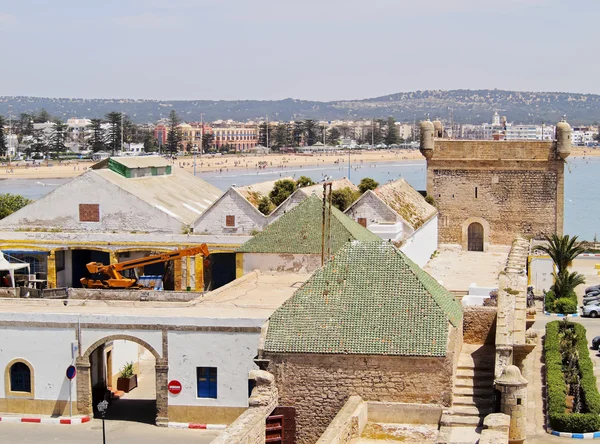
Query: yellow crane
x=109 y=276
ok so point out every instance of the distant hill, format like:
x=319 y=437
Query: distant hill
x=469 y=106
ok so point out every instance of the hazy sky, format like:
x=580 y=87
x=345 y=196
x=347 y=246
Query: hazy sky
x=307 y=49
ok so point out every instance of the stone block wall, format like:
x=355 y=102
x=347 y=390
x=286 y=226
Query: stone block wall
x=510 y=187
x=319 y=385
x=479 y=325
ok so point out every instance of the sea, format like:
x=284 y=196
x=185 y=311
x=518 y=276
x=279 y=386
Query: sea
x=582 y=184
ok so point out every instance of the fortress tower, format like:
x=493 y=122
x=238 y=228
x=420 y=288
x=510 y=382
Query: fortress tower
x=489 y=191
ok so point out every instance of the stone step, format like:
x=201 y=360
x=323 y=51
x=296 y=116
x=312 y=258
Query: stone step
x=470 y=361
x=480 y=391
x=478 y=401
x=470 y=411
x=449 y=420
x=473 y=383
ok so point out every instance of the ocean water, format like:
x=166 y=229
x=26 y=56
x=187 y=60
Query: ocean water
x=582 y=184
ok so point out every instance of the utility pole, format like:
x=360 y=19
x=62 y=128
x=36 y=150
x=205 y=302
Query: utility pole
x=121 y=132
x=372 y=133
x=267 y=129
x=9 y=134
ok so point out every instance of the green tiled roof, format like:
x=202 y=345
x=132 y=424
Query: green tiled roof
x=369 y=299
x=299 y=231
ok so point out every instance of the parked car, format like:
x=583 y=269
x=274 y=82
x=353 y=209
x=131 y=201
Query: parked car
x=592 y=288
x=596 y=343
x=592 y=310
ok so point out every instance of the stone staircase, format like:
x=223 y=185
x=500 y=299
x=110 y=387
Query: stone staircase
x=473 y=395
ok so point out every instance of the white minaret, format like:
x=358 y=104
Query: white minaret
x=496 y=119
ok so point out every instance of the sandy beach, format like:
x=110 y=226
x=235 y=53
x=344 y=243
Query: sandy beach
x=211 y=163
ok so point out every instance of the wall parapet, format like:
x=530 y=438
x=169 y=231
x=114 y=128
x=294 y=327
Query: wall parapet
x=250 y=426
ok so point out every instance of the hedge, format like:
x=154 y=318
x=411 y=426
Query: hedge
x=557 y=388
x=564 y=305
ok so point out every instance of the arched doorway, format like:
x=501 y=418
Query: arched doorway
x=97 y=371
x=475 y=237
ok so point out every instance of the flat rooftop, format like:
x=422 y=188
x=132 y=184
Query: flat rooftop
x=247 y=301
x=456 y=269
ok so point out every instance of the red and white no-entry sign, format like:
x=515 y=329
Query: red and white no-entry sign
x=174 y=387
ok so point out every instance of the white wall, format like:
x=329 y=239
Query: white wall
x=64 y=278
x=247 y=218
x=120 y=211
x=123 y=352
x=291 y=263
x=421 y=245
x=373 y=209
x=540 y=273
x=231 y=353
x=48 y=350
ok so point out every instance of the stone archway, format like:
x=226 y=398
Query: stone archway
x=475 y=234
x=84 y=382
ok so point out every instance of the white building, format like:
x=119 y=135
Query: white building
x=207 y=346
x=397 y=212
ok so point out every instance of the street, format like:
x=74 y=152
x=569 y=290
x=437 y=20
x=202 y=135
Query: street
x=117 y=432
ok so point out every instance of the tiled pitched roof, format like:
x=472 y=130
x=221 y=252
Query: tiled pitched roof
x=369 y=299
x=254 y=192
x=299 y=231
x=406 y=202
x=336 y=184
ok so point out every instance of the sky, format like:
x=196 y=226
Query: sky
x=303 y=49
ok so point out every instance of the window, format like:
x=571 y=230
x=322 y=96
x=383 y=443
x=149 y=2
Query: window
x=89 y=213
x=20 y=378
x=362 y=221
x=230 y=221
x=207 y=382
x=475 y=192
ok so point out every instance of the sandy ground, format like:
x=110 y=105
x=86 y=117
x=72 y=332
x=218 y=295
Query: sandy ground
x=208 y=163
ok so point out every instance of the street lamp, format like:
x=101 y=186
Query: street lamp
x=102 y=407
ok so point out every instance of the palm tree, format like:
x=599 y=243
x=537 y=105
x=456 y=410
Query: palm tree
x=562 y=250
x=565 y=283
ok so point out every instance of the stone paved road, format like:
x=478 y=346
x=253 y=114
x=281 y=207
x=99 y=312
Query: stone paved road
x=117 y=432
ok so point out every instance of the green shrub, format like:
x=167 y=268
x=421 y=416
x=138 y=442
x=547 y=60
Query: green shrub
x=557 y=388
x=550 y=299
x=565 y=306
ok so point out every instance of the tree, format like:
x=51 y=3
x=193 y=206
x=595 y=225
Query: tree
x=333 y=136
x=343 y=197
x=40 y=142
x=282 y=190
x=391 y=134
x=310 y=131
x=298 y=133
x=173 y=136
x=113 y=135
x=150 y=144
x=43 y=117
x=9 y=203
x=58 y=137
x=207 y=141
x=3 y=147
x=282 y=136
x=367 y=184
x=96 y=142
x=304 y=181
x=565 y=283
x=24 y=126
x=562 y=250
x=265 y=206
x=375 y=135
x=263 y=129
x=344 y=130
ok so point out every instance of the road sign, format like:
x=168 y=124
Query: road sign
x=71 y=371
x=174 y=387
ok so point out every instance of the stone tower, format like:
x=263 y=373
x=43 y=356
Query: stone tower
x=490 y=191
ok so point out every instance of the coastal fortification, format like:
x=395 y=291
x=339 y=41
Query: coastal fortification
x=490 y=191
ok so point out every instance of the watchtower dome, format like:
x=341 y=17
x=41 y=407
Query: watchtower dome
x=427 y=135
x=563 y=139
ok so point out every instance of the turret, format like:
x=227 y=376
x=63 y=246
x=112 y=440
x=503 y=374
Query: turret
x=438 y=129
x=563 y=139
x=427 y=134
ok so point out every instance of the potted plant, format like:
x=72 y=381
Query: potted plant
x=127 y=379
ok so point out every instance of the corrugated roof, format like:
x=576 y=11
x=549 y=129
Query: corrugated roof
x=299 y=231
x=369 y=299
x=253 y=193
x=179 y=194
x=406 y=202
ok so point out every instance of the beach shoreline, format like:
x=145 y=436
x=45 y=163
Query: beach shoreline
x=233 y=162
